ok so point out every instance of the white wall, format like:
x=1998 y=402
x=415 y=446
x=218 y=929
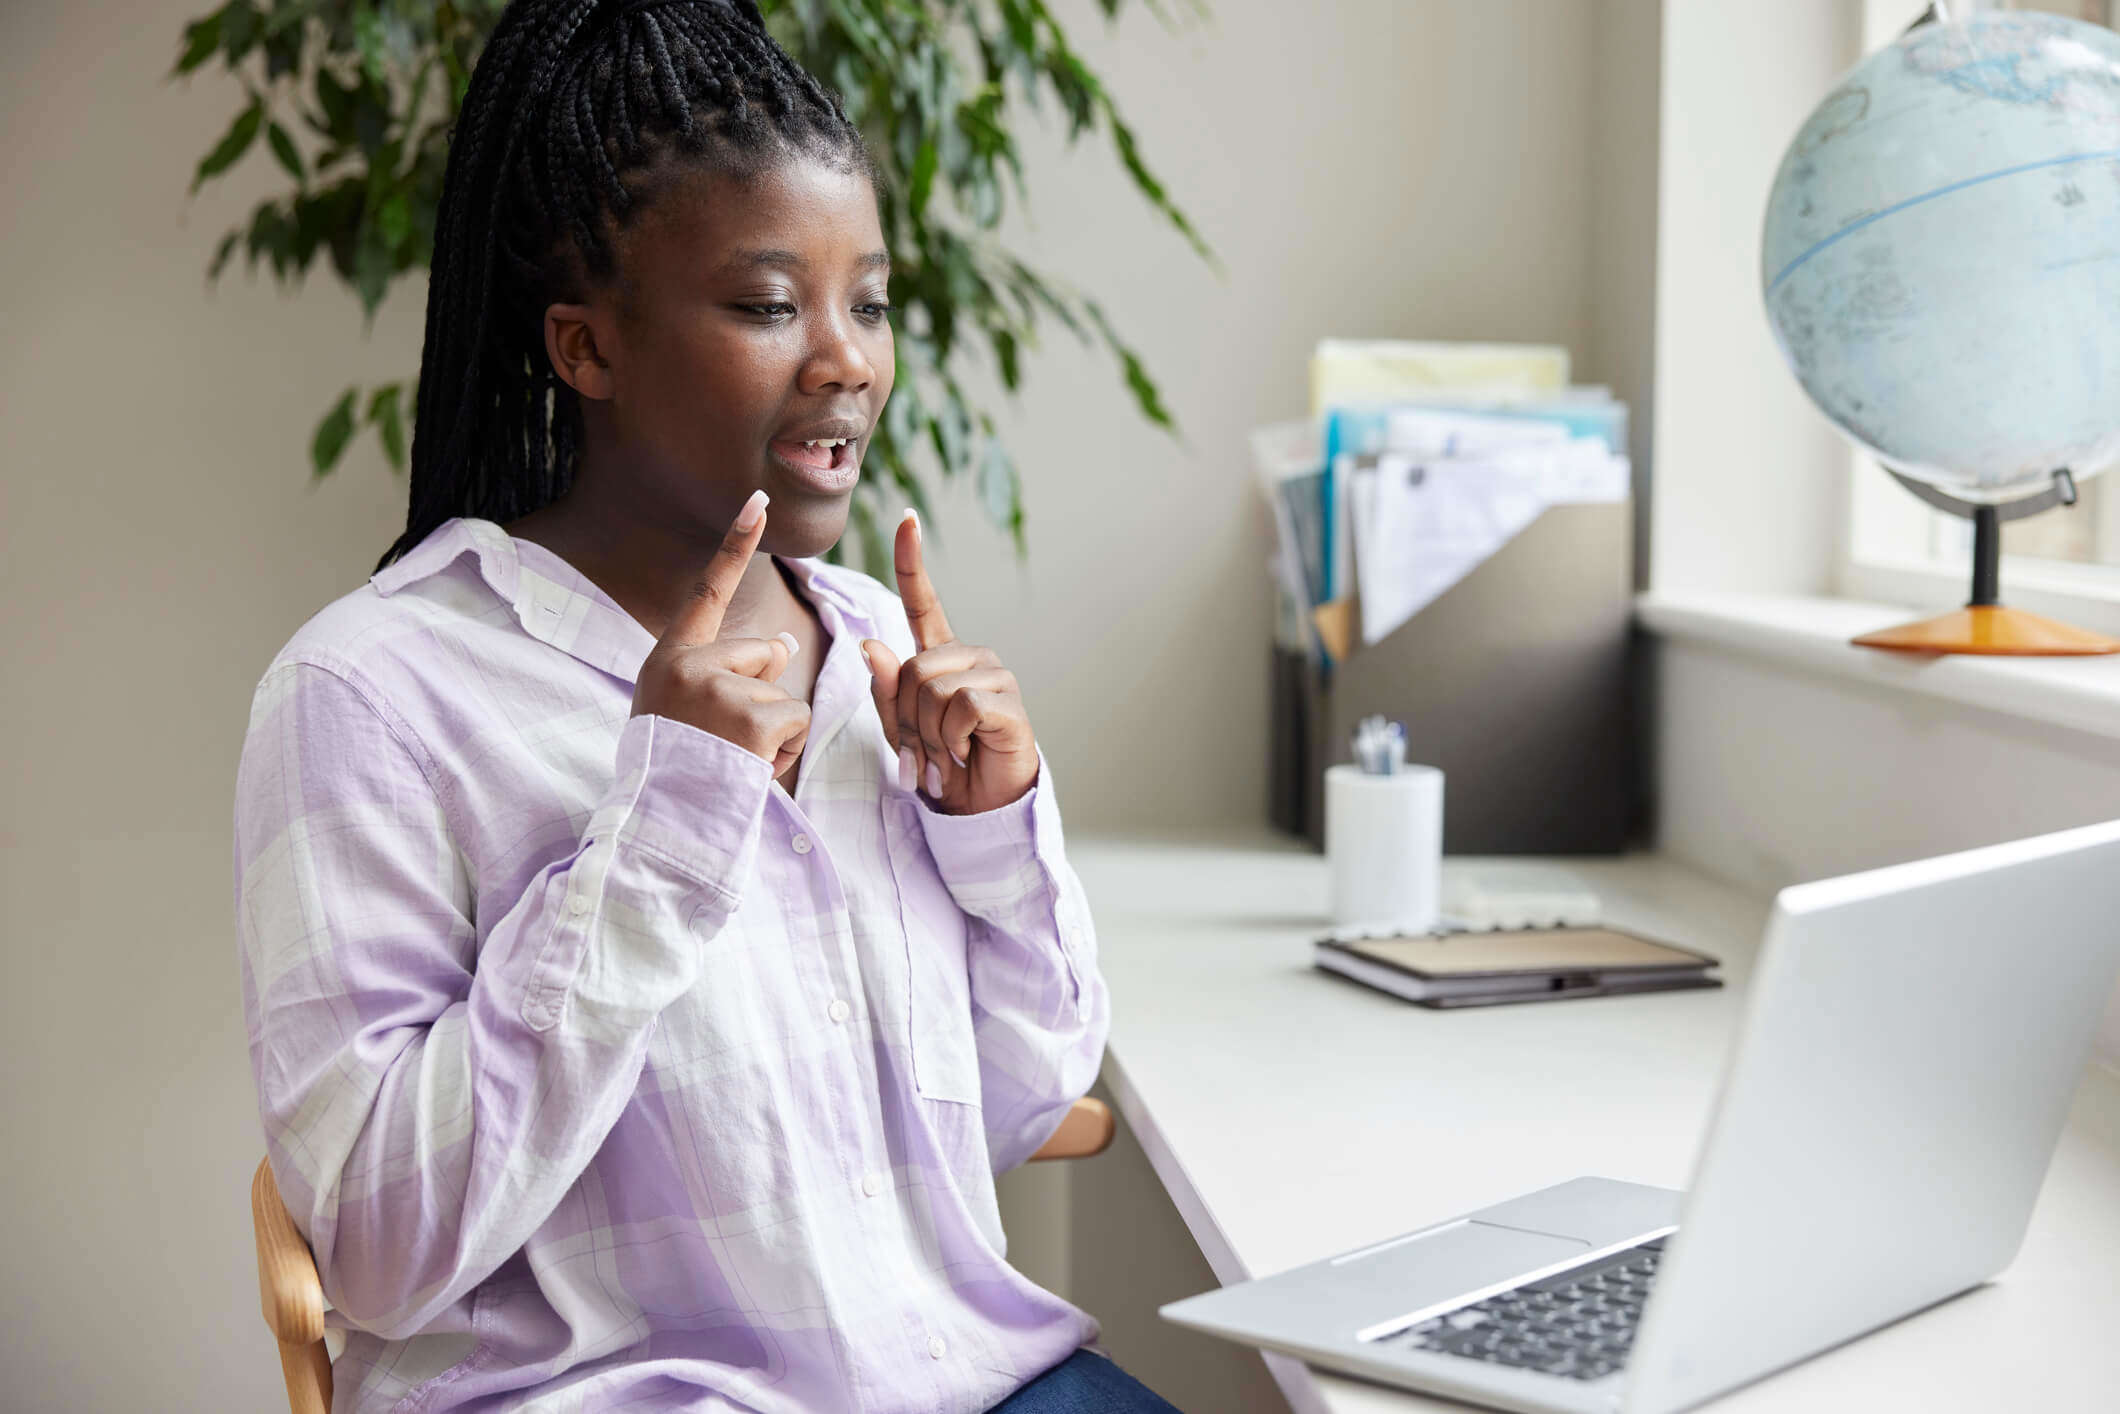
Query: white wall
x=1619 y=341
x=1750 y=478
x=1771 y=776
x=1364 y=167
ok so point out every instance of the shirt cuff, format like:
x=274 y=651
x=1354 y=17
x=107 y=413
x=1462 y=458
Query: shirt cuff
x=995 y=859
x=697 y=802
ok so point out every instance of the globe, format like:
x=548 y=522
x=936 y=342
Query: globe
x=1941 y=261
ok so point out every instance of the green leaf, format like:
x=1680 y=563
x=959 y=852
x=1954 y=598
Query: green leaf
x=999 y=487
x=335 y=103
x=1146 y=395
x=389 y=423
x=239 y=29
x=322 y=219
x=923 y=179
x=371 y=119
x=283 y=45
x=1005 y=354
x=948 y=431
x=875 y=553
x=394 y=219
x=1017 y=16
x=332 y=435
x=201 y=38
x=221 y=253
x=368 y=37
x=272 y=236
x=233 y=144
x=283 y=148
x=915 y=494
x=1145 y=182
x=371 y=269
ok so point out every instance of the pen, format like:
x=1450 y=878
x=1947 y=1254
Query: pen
x=1380 y=746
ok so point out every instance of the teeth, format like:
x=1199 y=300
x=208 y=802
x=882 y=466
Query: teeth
x=829 y=442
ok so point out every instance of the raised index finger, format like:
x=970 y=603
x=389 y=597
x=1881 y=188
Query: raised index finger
x=698 y=617
x=922 y=609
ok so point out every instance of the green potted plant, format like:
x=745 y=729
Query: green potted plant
x=354 y=99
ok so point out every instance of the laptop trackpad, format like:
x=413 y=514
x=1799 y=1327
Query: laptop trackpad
x=1444 y=1264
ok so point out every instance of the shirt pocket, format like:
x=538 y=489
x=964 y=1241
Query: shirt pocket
x=936 y=934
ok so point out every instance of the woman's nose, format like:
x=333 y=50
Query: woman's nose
x=836 y=361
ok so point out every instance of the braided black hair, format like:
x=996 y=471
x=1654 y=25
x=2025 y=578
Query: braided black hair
x=573 y=108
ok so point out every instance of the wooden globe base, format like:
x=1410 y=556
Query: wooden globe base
x=1994 y=629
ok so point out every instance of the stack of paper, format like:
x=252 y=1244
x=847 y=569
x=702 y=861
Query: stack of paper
x=1347 y=372
x=1425 y=461
x=1422 y=523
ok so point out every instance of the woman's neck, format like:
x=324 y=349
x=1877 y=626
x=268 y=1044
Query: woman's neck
x=645 y=562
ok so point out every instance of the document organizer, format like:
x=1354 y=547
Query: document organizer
x=1518 y=682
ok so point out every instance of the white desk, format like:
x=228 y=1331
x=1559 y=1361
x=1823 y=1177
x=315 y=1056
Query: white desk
x=1291 y=1115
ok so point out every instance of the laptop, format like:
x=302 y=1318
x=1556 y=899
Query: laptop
x=1910 y=1047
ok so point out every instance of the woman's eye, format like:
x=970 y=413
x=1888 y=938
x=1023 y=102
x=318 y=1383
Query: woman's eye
x=875 y=312
x=773 y=310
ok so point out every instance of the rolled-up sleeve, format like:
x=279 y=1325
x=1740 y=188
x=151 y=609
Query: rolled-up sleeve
x=430 y=1087
x=1039 y=1006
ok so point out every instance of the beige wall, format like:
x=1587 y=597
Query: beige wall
x=1367 y=168
x=1364 y=167
x=157 y=542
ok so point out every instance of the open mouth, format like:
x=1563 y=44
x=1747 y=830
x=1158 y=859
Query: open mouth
x=826 y=454
x=829 y=464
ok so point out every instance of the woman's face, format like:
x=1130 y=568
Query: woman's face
x=748 y=331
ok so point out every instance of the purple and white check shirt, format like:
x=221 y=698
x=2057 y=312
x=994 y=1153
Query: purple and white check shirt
x=598 y=1070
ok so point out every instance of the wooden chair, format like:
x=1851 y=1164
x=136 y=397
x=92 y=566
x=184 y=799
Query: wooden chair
x=293 y=1298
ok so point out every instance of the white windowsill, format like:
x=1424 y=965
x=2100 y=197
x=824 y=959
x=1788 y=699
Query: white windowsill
x=1812 y=634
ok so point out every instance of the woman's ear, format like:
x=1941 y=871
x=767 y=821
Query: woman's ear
x=572 y=343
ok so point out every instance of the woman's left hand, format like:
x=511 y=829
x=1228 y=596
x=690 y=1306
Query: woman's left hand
x=952 y=712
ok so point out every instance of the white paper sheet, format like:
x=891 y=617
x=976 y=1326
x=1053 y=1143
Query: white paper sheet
x=1421 y=524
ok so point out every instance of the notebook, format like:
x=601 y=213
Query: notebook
x=1533 y=965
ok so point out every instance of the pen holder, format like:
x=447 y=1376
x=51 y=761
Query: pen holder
x=1384 y=839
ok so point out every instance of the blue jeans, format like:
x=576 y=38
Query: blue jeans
x=1085 y=1383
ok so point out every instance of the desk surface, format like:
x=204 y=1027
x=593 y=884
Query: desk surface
x=1292 y=1115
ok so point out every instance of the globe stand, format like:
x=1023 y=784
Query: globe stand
x=1985 y=625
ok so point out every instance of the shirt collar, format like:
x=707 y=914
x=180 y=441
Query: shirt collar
x=556 y=604
x=822 y=584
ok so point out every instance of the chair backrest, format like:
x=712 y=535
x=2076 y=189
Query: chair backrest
x=292 y=1297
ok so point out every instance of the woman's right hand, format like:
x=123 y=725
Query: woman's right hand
x=727 y=686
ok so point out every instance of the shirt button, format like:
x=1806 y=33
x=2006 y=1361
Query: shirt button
x=838 y=1010
x=578 y=904
x=801 y=843
x=872 y=1185
x=938 y=1348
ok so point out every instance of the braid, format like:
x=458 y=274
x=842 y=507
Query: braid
x=572 y=106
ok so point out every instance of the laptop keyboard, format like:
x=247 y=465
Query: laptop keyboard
x=1578 y=1324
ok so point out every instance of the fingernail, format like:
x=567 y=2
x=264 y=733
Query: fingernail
x=913 y=516
x=754 y=510
x=956 y=758
x=934 y=780
x=905 y=768
x=789 y=639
